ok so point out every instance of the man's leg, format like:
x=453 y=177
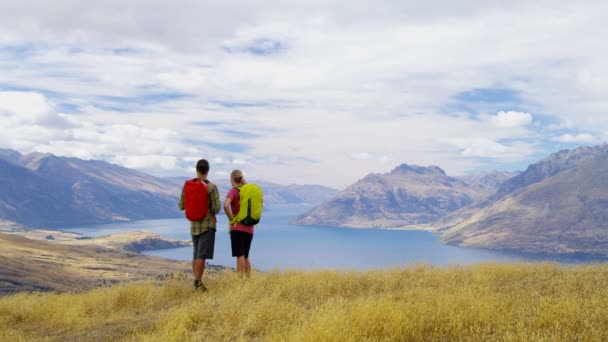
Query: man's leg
x=195 y=263
x=198 y=266
x=204 y=251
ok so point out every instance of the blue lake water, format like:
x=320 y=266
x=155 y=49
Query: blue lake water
x=280 y=245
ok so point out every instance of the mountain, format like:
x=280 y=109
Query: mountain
x=277 y=194
x=408 y=195
x=41 y=189
x=558 y=205
x=488 y=183
x=44 y=190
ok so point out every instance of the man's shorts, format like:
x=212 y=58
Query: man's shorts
x=203 y=244
x=241 y=243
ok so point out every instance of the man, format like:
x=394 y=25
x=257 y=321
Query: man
x=203 y=231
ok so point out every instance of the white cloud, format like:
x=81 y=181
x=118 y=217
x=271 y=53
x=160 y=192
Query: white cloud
x=30 y=108
x=216 y=160
x=584 y=138
x=512 y=119
x=370 y=156
x=488 y=148
x=27 y=105
x=362 y=155
x=221 y=174
x=29 y=123
x=148 y=161
x=336 y=91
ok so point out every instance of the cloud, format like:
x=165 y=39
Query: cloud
x=370 y=156
x=294 y=92
x=583 y=138
x=362 y=155
x=260 y=46
x=512 y=119
x=487 y=148
x=26 y=105
x=148 y=161
x=31 y=109
x=30 y=123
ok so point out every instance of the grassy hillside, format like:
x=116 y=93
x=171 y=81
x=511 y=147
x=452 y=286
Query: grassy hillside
x=517 y=302
x=27 y=264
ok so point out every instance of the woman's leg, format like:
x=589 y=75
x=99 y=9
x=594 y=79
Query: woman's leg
x=247 y=267
x=241 y=264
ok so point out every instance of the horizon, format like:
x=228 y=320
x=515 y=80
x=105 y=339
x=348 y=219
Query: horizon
x=313 y=93
x=336 y=188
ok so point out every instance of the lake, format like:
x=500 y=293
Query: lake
x=280 y=245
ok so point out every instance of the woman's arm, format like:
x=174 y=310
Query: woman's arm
x=227 y=209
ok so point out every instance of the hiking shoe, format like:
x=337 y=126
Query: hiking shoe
x=199 y=286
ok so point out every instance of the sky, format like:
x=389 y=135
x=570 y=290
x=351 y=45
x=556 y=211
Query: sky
x=309 y=92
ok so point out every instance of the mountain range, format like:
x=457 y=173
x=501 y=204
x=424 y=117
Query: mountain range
x=41 y=189
x=409 y=195
x=44 y=190
x=277 y=194
x=556 y=206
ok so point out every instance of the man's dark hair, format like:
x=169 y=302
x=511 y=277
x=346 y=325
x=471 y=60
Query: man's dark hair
x=202 y=166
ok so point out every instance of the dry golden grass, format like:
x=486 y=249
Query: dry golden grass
x=27 y=264
x=512 y=302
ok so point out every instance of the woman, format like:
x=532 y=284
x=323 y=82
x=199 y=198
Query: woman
x=240 y=235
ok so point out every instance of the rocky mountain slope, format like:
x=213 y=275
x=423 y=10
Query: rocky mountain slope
x=46 y=190
x=488 y=183
x=558 y=205
x=408 y=195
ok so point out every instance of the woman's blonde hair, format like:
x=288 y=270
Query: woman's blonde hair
x=237 y=176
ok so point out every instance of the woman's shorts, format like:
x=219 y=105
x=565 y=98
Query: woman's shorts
x=241 y=243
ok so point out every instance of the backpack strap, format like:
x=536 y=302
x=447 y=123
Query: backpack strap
x=238 y=189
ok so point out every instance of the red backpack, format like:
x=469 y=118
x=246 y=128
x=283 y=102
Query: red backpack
x=196 y=200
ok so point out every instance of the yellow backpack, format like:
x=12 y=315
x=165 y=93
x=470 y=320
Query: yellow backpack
x=251 y=201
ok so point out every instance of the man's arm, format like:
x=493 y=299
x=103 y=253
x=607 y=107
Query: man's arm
x=214 y=204
x=181 y=201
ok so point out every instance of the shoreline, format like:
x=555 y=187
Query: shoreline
x=133 y=241
x=120 y=239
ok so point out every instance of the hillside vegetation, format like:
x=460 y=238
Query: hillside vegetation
x=27 y=264
x=507 y=302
